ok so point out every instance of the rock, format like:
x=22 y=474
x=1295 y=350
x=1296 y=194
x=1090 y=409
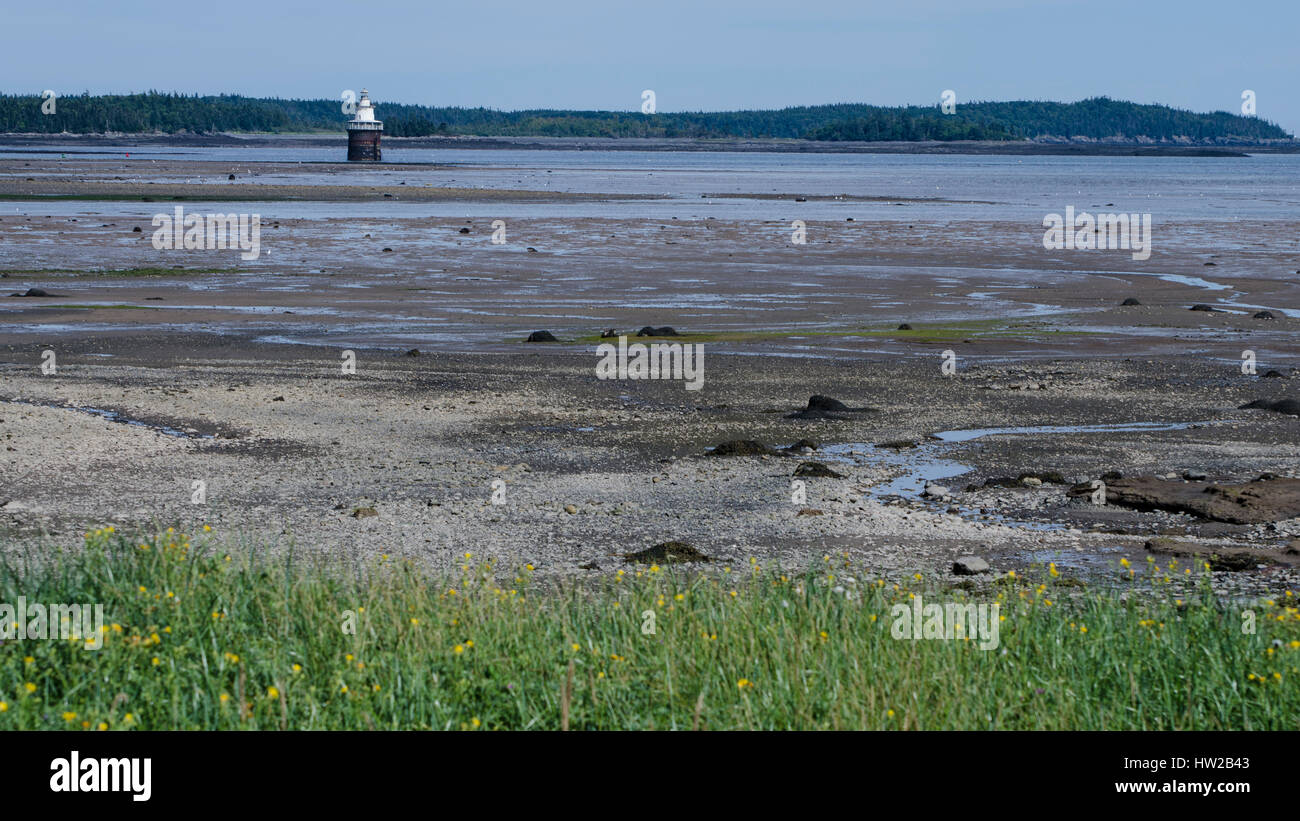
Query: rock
x=231 y=177
x=364 y=512
x=899 y=444
x=277 y=399
x=1289 y=406
x=1045 y=477
x=1201 y=306
x=1254 y=502
x=667 y=553
x=936 y=492
x=741 y=447
x=802 y=445
x=464 y=230
x=570 y=509
x=1273 y=374
x=37 y=292
x=824 y=407
x=969 y=566
x=413 y=352
x=608 y=333
x=1263 y=315
x=816 y=470
x=664 y=330
x=1130 y=301
x=542 y=336
x=1031 y=481
x=1231 y=559
x=825 y=403
x=1194 y=475
x=136 y=230
x=904 y=327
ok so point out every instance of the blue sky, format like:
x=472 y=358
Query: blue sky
x=695 y=55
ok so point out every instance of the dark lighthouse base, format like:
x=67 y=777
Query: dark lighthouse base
x=363 y=146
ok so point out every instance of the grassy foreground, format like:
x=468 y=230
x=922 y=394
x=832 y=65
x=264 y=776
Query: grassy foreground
x=196 y=638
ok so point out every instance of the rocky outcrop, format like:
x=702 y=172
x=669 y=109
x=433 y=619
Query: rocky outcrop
x=1267 y=499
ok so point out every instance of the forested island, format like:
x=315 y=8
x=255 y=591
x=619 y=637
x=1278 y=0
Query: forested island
x=1099 y=119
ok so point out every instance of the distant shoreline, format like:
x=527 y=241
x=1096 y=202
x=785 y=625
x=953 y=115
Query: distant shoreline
x=788 y=146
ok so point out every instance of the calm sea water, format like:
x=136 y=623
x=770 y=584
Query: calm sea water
x=1263 y=187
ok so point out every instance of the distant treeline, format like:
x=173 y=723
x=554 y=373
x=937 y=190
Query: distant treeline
x=1099 y=118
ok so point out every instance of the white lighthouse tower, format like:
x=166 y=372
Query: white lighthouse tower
x=364 y=131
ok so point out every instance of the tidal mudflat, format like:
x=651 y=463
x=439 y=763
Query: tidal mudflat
x=182 y=367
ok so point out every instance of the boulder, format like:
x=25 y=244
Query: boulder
x=741 y=447
x=816 y=470
x=542 y=336
x=969 y=566
x=666 y=553
x=1130 y=301
x=664 y=330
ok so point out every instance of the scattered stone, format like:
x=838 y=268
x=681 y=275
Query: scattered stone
x=969 y=566
x=1131 y=301
x=542 y=336
x=816 y=470
x=741 y=447
x=667 y=553
x=808 y=511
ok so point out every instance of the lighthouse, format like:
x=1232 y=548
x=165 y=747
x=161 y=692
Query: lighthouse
x=363 y=132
